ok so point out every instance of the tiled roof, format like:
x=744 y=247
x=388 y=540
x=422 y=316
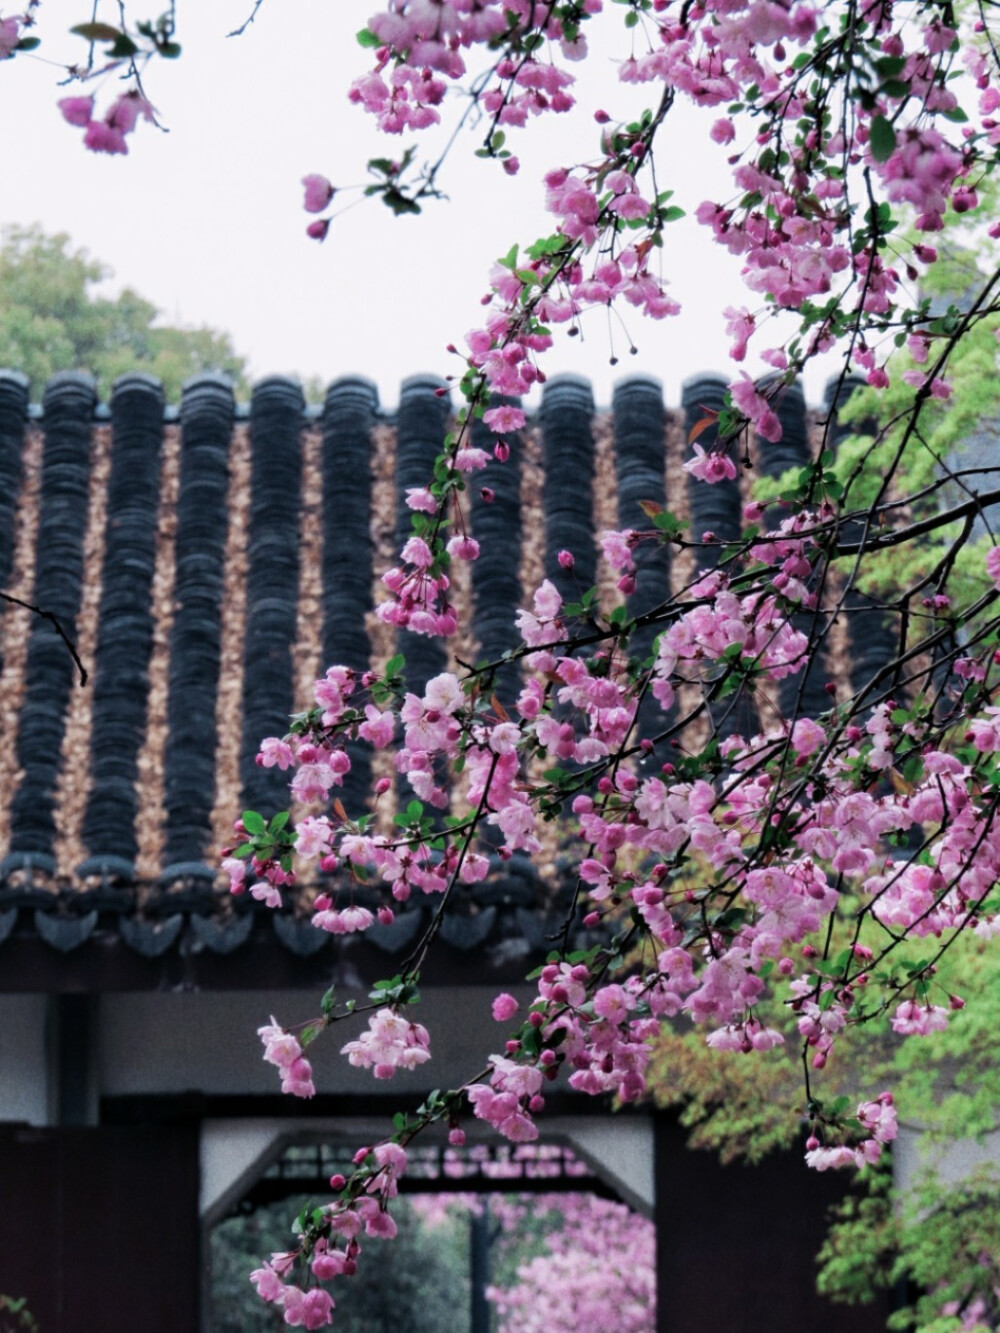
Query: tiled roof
x=209 y=561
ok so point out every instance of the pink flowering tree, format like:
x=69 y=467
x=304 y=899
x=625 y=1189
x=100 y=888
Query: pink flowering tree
x=594 y=1273
x=560 y=1262
x=739 y=847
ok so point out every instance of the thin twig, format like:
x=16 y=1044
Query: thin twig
x=54 y=621
x=238 y=32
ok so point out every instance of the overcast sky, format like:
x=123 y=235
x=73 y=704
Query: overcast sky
x=206 y=220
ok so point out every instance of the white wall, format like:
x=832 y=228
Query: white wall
x=236 y=1153
x=162 y=1043
x=618 y=1148
x=912 y=1153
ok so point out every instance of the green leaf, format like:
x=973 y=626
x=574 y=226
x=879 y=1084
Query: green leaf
x=395 y=665
x=400 y=203
x=28 y=44
x=123 y=47
x=253 y=822
x=889 y=65
x=97 y=32
x=367 y=39
x=883 y=139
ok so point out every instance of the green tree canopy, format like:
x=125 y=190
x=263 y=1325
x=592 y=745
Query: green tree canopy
x=52 y=318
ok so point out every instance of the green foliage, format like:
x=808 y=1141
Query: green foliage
x=51 y=319
x=739 y=1107
x=417 y=1284
x=941 y=1244
x=968 y=351
x=858 y=1258
x=15 y=1317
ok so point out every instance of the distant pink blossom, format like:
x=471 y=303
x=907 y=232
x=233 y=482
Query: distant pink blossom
x=78 y=111
x=318 y=194
x=104 y=138
x=10 y=35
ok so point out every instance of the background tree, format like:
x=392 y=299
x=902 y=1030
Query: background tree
x=53 y=317
x=417 y=1288
x=592 y=1271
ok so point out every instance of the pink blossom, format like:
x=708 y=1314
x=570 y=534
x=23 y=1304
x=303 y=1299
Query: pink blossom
x=267 y=894
x=417 y=552
x=504 y=1008
x=419 y=497
x=274 y=752
x=913 y=1019
x=504 y=419
x=712 y=467
x=349 y=921
x=390 y=1043
x=237 y=871
x=124 y=113
x=269 y=1285
x=381 y=1225
x=281 y=1048
x=378 y=728
x=318 y=193
x=10 y=35
x=617 y=548
x=739 y=326
x=463 y=548
x=308 y=1309
x=984 y=731
x=76 y=111
x=104 y=138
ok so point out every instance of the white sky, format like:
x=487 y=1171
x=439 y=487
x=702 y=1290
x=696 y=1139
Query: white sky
x=206 y=221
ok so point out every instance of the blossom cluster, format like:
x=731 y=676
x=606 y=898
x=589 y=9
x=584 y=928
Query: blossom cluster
x=284 y=1050
x=13 y=29
x=390 y=1043
x=336 y=1250
x=792 y=213
x=785 y=865
x=792 y=220
x=107 y=134
x=643 y=829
